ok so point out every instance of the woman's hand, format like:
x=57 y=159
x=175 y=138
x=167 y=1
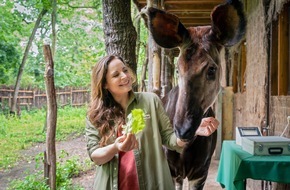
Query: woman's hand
x=207 y=126
x=126 y=142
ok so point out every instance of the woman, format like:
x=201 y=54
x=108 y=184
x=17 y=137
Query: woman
x=129 y=161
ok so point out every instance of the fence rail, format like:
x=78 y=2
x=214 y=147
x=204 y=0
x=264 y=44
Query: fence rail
x=35 y=98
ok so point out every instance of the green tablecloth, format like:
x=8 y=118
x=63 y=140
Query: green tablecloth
x=236 y=165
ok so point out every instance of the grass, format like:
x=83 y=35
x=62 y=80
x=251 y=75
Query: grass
x=66 y=170
x=17 y=133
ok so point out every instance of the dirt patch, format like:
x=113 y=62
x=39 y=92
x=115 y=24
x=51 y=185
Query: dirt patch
x=27 y=165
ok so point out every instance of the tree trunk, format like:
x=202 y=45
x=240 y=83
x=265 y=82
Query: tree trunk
x=120 y=34
x=136 y=23
x=143 y=73
x=51 y=118
x=53 y=22
x=21 y=68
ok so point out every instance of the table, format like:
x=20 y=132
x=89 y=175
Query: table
x=236 y=165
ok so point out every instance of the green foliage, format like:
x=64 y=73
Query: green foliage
x=79 y=43
x=23 y=132
x=143 y=37
x=9 y=60
x=65 y=170
x=79 y=40
x=30 y=182
x=10 y=28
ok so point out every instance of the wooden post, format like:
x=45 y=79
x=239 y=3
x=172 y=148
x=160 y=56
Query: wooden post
x=156 y=70
x=154 y=51
x=227 y=113
x=283 y=49
x=71 y=96
x=51 y=117
x=33 y=98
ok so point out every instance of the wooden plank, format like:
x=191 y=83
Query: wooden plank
x=25 y=97
x=195 y=22
x=6 y=97
x=186 y=1
x=39 y=95
x=62 y=93
x=191 y=14
x=274 y=59
x=11 y=90
x=235 y=76
x=19 y=97
x=189 y=7
x=219 y=116
x=80 y=91
x=243 y=66
x=24 y=103
x=283 y=53
x=195 y=1
x=227 y=114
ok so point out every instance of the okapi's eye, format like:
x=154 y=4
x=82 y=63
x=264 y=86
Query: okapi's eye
x=211 y=73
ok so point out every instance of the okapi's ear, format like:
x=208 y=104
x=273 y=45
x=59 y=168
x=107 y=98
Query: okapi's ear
x=166 y=29
x=228 y=22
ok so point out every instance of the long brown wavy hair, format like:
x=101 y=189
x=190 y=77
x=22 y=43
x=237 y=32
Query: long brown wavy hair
x=104 y=112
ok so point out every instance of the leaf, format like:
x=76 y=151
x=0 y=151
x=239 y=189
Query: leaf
x=135 y=123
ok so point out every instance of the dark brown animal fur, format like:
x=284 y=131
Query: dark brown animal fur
x=199 y=71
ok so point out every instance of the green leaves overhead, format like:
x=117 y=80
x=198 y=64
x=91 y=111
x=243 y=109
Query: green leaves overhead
x=79 y=43
x=47 y=4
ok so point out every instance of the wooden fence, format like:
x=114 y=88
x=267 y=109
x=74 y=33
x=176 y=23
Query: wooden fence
x=34 y=98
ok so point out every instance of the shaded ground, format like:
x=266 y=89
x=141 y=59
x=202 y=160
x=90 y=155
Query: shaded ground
x=75 y=147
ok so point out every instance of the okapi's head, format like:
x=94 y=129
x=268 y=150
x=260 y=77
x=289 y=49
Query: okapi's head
x=199 y=64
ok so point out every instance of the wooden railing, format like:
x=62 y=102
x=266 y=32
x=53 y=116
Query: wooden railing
x=34 y=98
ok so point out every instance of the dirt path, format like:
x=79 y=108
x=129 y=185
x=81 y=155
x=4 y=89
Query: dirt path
x=74 y=147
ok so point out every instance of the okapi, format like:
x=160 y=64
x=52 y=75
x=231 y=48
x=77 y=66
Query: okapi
x=199 y=78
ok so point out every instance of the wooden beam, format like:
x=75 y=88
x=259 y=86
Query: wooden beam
x=283 y=50
x=274 y=59
x=195 y=20
x=189 y=7
x=195 y=1
x=243 y=66
x=227 y=113
x=188 y=1
x=191 y=14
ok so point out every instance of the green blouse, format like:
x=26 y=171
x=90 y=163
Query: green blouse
x=152 y=167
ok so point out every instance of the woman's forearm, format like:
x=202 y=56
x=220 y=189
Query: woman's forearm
x=105 y=154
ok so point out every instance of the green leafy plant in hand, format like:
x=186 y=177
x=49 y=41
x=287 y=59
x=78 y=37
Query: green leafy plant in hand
x=135 y=123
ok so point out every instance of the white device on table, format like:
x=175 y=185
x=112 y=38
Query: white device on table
x=242 y=132
x=266 y=145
